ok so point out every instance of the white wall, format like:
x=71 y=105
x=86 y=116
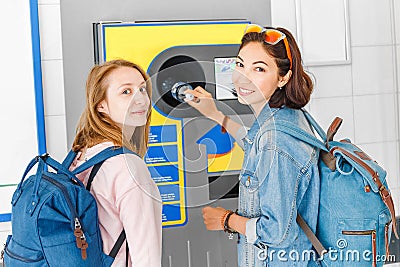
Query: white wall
x=53 y=78
x=17 y=109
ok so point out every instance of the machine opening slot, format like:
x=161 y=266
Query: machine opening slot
x=224 y=186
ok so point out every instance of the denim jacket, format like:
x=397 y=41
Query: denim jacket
x=279 y=179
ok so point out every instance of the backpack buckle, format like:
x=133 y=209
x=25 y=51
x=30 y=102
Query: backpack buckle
x=381 y=192
x=43 y=157
x=2 y=253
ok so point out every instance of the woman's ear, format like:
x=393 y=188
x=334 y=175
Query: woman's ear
x=102 y=107
x=284 y=80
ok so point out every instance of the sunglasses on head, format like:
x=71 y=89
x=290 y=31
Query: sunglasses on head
x=272 y=37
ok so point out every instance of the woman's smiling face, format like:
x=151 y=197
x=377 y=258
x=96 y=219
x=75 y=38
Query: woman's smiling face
x=127 y=102
x=256 y=76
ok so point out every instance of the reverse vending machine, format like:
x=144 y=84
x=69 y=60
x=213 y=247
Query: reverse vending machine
x=192 y=162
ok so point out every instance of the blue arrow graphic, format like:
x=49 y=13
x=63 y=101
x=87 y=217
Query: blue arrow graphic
x=217 y=143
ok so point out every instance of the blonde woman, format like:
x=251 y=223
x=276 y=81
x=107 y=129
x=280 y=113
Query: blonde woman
x=117 y=113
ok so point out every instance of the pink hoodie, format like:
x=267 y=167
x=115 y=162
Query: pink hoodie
x=128 y=198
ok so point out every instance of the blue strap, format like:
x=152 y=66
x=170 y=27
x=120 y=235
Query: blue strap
x=69 y=159
x=43 y=161
x=28 y=168
x=39 y=174
x=62 y=169
x=298 y=133
x=47 y=160
x=315 y=125
x=102 y=156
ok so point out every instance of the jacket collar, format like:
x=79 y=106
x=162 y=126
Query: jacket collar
x=265 y=114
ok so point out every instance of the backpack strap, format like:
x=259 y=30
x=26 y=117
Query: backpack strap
x=102 y=156
x=69 y=159
x=295 y=131
x=321 y=250
x=118 y=244
x=314 y=124
x=332 y=130
x=93 y=173
x=43 y=161
x=117 y=247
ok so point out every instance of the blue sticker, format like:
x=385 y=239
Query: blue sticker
x=162 y=134
x=171 y=213
x=164 y=174
x=161 y=154
x=217 y=143
x=169 y=192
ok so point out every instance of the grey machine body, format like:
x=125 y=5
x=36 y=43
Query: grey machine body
x=173 y=72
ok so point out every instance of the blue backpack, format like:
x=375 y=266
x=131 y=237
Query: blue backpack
x=54 y=217
x=355 y=208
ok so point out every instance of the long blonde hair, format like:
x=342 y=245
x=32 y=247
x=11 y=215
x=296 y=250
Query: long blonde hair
x=95 y=127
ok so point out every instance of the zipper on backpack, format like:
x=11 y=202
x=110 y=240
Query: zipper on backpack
x=64 y=192
x=17 y=257
x=80 y=238
x=356 y=232
x=372 y=233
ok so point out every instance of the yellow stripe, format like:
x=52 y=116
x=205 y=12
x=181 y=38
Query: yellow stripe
x=162 y=164
x=167 y=183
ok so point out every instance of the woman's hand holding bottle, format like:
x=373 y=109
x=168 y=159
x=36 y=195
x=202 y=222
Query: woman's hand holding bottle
x=205 y=104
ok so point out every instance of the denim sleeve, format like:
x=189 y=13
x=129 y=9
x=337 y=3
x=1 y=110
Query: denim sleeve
x=279 y=177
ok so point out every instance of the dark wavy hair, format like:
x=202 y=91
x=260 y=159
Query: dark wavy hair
x=297 y=92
